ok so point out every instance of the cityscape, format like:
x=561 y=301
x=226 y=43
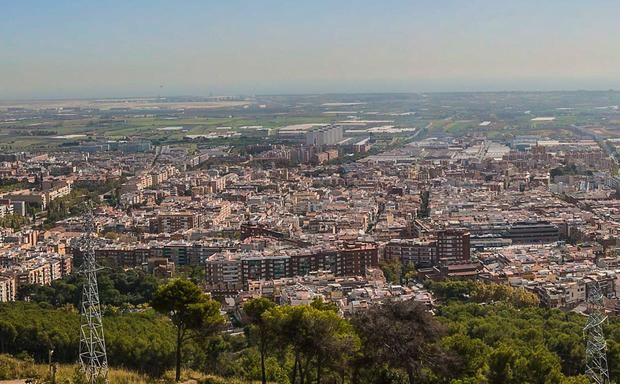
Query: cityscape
x=386 y=236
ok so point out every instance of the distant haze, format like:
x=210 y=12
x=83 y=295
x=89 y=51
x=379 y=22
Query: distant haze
x=55 y=49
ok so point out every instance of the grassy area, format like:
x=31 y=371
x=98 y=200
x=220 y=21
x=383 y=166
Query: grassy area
x=13 y=185
x=12 y=368
x=505 y=130
x=451 y=114
x=19 y=135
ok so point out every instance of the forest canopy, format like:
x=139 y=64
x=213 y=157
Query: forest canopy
x=484 y=333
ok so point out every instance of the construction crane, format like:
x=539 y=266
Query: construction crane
x=596 y=345
x=93 y=357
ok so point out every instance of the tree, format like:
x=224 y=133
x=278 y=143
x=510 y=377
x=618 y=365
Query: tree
x=8 y=333
x=321 y=305
x=469 y=357
x=409 y=272
x=255 y=309
x=333 y=341
x=483 y=293
x=510 y=365
x=518 y=297
x=116 y=288
x=424 y=210
x=316 y=337
x=392 y=270
x=190 y=310
x=286 y=323
x=502 y=363
x=403 y=335
x=13 y=221
x=194 y=273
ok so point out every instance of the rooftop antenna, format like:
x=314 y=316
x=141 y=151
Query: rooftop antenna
x=596 y=346
x=93 y=357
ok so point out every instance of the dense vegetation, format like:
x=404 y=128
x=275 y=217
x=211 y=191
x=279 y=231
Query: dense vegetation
x=73 y=203
x=9 y=184
x=138 y=341
x=13 y=221
x=480 y=333
x=396 y=272
x=569 y=170
x=69 y=205
x=116 y=289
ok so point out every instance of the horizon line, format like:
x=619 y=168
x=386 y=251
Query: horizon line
x=293 y=94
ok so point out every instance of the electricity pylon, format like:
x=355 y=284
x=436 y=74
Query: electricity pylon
x=93 y=357
x=596 y=346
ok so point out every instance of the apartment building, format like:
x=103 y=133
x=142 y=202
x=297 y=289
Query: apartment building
x=173 y=222
x=241 y=268
x=527 y=232
x=453 y=245
x=419 y=252
x=8 y=288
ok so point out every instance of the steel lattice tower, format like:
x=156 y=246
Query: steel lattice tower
x=93 y=357
x=596 y=346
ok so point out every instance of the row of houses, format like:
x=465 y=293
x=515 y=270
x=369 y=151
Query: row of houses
x=37 y=269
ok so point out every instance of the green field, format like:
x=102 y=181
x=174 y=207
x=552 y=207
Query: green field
x=24 y=136
x=451 y=114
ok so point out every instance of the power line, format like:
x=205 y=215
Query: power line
x=596 y=345
x=93 y=357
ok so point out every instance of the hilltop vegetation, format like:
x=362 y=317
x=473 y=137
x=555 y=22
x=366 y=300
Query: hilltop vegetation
x=119 y=289
x=480 y=333
x=139 y=341
x=14 y=368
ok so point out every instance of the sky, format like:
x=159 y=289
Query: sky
x=87 y=48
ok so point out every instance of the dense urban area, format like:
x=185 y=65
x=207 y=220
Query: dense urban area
x=362 y=238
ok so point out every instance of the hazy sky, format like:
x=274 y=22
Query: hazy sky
x=85 y=48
